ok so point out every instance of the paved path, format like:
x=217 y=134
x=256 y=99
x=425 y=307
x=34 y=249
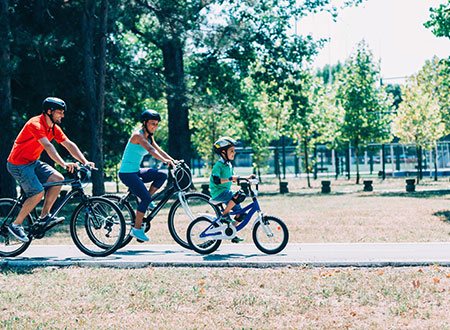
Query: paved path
x=243 y=255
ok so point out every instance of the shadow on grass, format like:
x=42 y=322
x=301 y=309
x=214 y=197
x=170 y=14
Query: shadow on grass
x=443 y=215
x=416 y=194
x=11 y=270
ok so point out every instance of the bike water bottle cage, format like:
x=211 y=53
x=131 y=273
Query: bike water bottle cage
x=238 y=197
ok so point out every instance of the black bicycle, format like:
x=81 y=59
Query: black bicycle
x=97 y=225
x=187 y=206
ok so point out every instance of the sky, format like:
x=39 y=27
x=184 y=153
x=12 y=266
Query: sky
x=393 y=30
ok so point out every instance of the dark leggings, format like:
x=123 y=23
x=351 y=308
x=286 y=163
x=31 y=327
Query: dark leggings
x=135 y=181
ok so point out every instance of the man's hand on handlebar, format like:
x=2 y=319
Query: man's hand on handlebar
x=71 y=166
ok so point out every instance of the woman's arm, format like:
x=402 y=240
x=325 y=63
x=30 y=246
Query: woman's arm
x=140 y=139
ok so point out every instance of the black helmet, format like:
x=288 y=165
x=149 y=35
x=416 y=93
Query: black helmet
x=150 y=115
x=53 y=103
x=223 y=144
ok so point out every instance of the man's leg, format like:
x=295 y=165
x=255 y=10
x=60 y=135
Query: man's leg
x=28 y=206
x=52 y=193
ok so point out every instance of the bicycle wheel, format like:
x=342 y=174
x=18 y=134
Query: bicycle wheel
x=9 y=245
x=270 y=235
x=97 y=227
x=181 y=216
x=193 y=236
x=128 y=214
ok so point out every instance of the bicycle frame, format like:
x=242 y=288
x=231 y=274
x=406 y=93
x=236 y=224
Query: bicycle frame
x=167 y=193
x=217 y=232
x=76 y=189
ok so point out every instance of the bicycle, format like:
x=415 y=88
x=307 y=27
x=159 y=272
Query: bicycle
x=270 y=234
x=186 y=207
x=97 y=226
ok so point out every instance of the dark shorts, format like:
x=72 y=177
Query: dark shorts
x=31 y=176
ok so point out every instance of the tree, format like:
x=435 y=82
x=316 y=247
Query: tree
x=94 y=77
x=418 y=119
x=7 y=186
x=366 y=106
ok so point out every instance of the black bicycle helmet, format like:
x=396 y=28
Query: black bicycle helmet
x=223 y=144
x=53 y=103
x=150 y=115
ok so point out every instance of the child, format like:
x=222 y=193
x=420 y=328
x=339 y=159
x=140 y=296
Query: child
x=221 y=180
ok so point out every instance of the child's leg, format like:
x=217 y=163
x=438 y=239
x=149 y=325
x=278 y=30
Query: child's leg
x=230 y=205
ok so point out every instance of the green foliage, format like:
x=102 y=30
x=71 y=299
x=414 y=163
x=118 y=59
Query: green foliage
x=418 y=119
x=440 y=20
x=366 y=106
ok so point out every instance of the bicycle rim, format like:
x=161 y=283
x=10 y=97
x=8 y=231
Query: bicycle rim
x=271 y=235
x=193 y=236
x=179 y=220
x=9 y=245
x=97 y=228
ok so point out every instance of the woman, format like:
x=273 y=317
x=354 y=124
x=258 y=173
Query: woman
x=140 y=144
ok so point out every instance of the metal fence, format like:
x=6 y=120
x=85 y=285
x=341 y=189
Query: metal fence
x=393 y=159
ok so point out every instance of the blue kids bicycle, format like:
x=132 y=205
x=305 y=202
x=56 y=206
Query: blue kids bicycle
x=270 y=234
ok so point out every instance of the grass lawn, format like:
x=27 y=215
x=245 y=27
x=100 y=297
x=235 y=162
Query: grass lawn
x=246 y=298
x=225 y=298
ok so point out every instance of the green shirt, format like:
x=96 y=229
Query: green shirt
x=224 y=171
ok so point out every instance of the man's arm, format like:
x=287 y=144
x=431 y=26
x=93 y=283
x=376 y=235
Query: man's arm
x=51 y=151
x=72 y=148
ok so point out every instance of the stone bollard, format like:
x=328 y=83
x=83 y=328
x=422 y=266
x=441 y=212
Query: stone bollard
x=284 y=187
x=411 y=185
x=326 y=189
x=368 y=185
x=205 y=189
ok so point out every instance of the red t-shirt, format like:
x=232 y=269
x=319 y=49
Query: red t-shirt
x=26 y=148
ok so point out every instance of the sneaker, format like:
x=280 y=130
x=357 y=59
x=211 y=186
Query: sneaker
x=240 y=217
x=227 y=219
x=151 y=206
x=139 y=234
x=18 y=232
x=236 y=239
x=49 y=221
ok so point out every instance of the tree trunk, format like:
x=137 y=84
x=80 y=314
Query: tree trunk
x=179 y=134
x=95 y=97
x=435 y=163
x=419 y=162
x=305 y=148
x=7 y=183
x=357 y=161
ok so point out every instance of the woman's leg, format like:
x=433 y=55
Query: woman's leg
x=157 y=177
x=137 y=187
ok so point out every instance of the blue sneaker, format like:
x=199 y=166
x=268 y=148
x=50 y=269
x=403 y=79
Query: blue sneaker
x=151 y=206
x=18 y=232
x=139 y=234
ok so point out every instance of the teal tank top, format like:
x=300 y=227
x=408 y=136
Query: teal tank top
x=132 y=158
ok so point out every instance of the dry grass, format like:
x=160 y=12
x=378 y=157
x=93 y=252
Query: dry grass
x=186 y=298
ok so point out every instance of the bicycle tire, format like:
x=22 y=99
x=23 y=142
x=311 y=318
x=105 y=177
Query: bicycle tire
x=128 y=214
x=178 y=220
x=201 y=246
x=91 y=226
x=270 y=245
x=18 y=247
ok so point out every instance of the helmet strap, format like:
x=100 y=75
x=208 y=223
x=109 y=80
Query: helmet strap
x=224 y=155
x=51 y=118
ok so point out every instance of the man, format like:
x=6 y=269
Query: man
x=24 y=164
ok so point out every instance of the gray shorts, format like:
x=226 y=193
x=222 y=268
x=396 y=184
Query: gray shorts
x=226 y=196
x=31 y=176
